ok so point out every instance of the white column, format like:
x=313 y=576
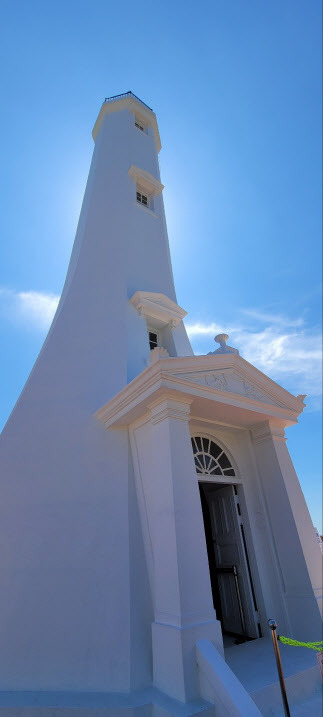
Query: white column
x=297 y=550
x=183 y=602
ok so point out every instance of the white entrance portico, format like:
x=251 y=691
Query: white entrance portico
x=226 y=401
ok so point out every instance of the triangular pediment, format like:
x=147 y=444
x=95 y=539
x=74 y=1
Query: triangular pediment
x=231 y=381
x=221 y=387
x=230 y=374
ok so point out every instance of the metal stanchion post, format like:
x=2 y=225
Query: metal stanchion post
x=273 y=625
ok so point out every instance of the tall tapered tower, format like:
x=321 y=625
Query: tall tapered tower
x=140 y=484
x=76 y=607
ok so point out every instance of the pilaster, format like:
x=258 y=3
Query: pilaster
x=268 y=431
x=183 y=601
x=297 y=551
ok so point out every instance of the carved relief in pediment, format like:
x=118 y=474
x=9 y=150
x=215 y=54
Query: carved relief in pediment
x=227 y=381
x=216 y=380
x=252 y=392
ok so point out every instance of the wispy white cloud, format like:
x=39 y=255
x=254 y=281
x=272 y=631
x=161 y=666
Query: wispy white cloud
x=270 y=318
x=286 y=350
x=33 y=308
x=199 y=329
x=37 y=307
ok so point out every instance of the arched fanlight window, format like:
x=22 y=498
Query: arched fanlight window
x=210 y=459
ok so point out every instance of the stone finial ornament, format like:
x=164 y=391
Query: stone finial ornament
x=223 y=349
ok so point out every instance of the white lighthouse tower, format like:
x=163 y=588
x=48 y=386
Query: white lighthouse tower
x=151 y=517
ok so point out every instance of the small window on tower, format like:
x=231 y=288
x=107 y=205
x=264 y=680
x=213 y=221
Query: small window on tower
x=153 y=339
x=139 y=125
x=142 y=199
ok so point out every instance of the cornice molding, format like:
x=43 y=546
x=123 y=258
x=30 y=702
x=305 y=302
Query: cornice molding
x=157 y=306
x=146 y=181
x=136 y=108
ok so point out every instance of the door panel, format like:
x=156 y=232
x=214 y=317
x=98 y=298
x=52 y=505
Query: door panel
x=228 y=552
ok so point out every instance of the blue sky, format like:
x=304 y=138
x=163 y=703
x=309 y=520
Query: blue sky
x=236 y=88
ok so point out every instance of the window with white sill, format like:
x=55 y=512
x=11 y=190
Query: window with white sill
x=140 y=125
x=144 y=199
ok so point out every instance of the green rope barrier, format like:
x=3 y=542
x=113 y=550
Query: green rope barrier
x=311 y=645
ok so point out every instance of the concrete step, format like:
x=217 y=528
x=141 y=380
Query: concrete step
x=313 y=707
x=190 y=710
x=144 y=703
x=254 y=665
x=147 y=711
x=300 y=688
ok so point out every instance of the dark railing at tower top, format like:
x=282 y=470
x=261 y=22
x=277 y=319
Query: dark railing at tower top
x=127 y=94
